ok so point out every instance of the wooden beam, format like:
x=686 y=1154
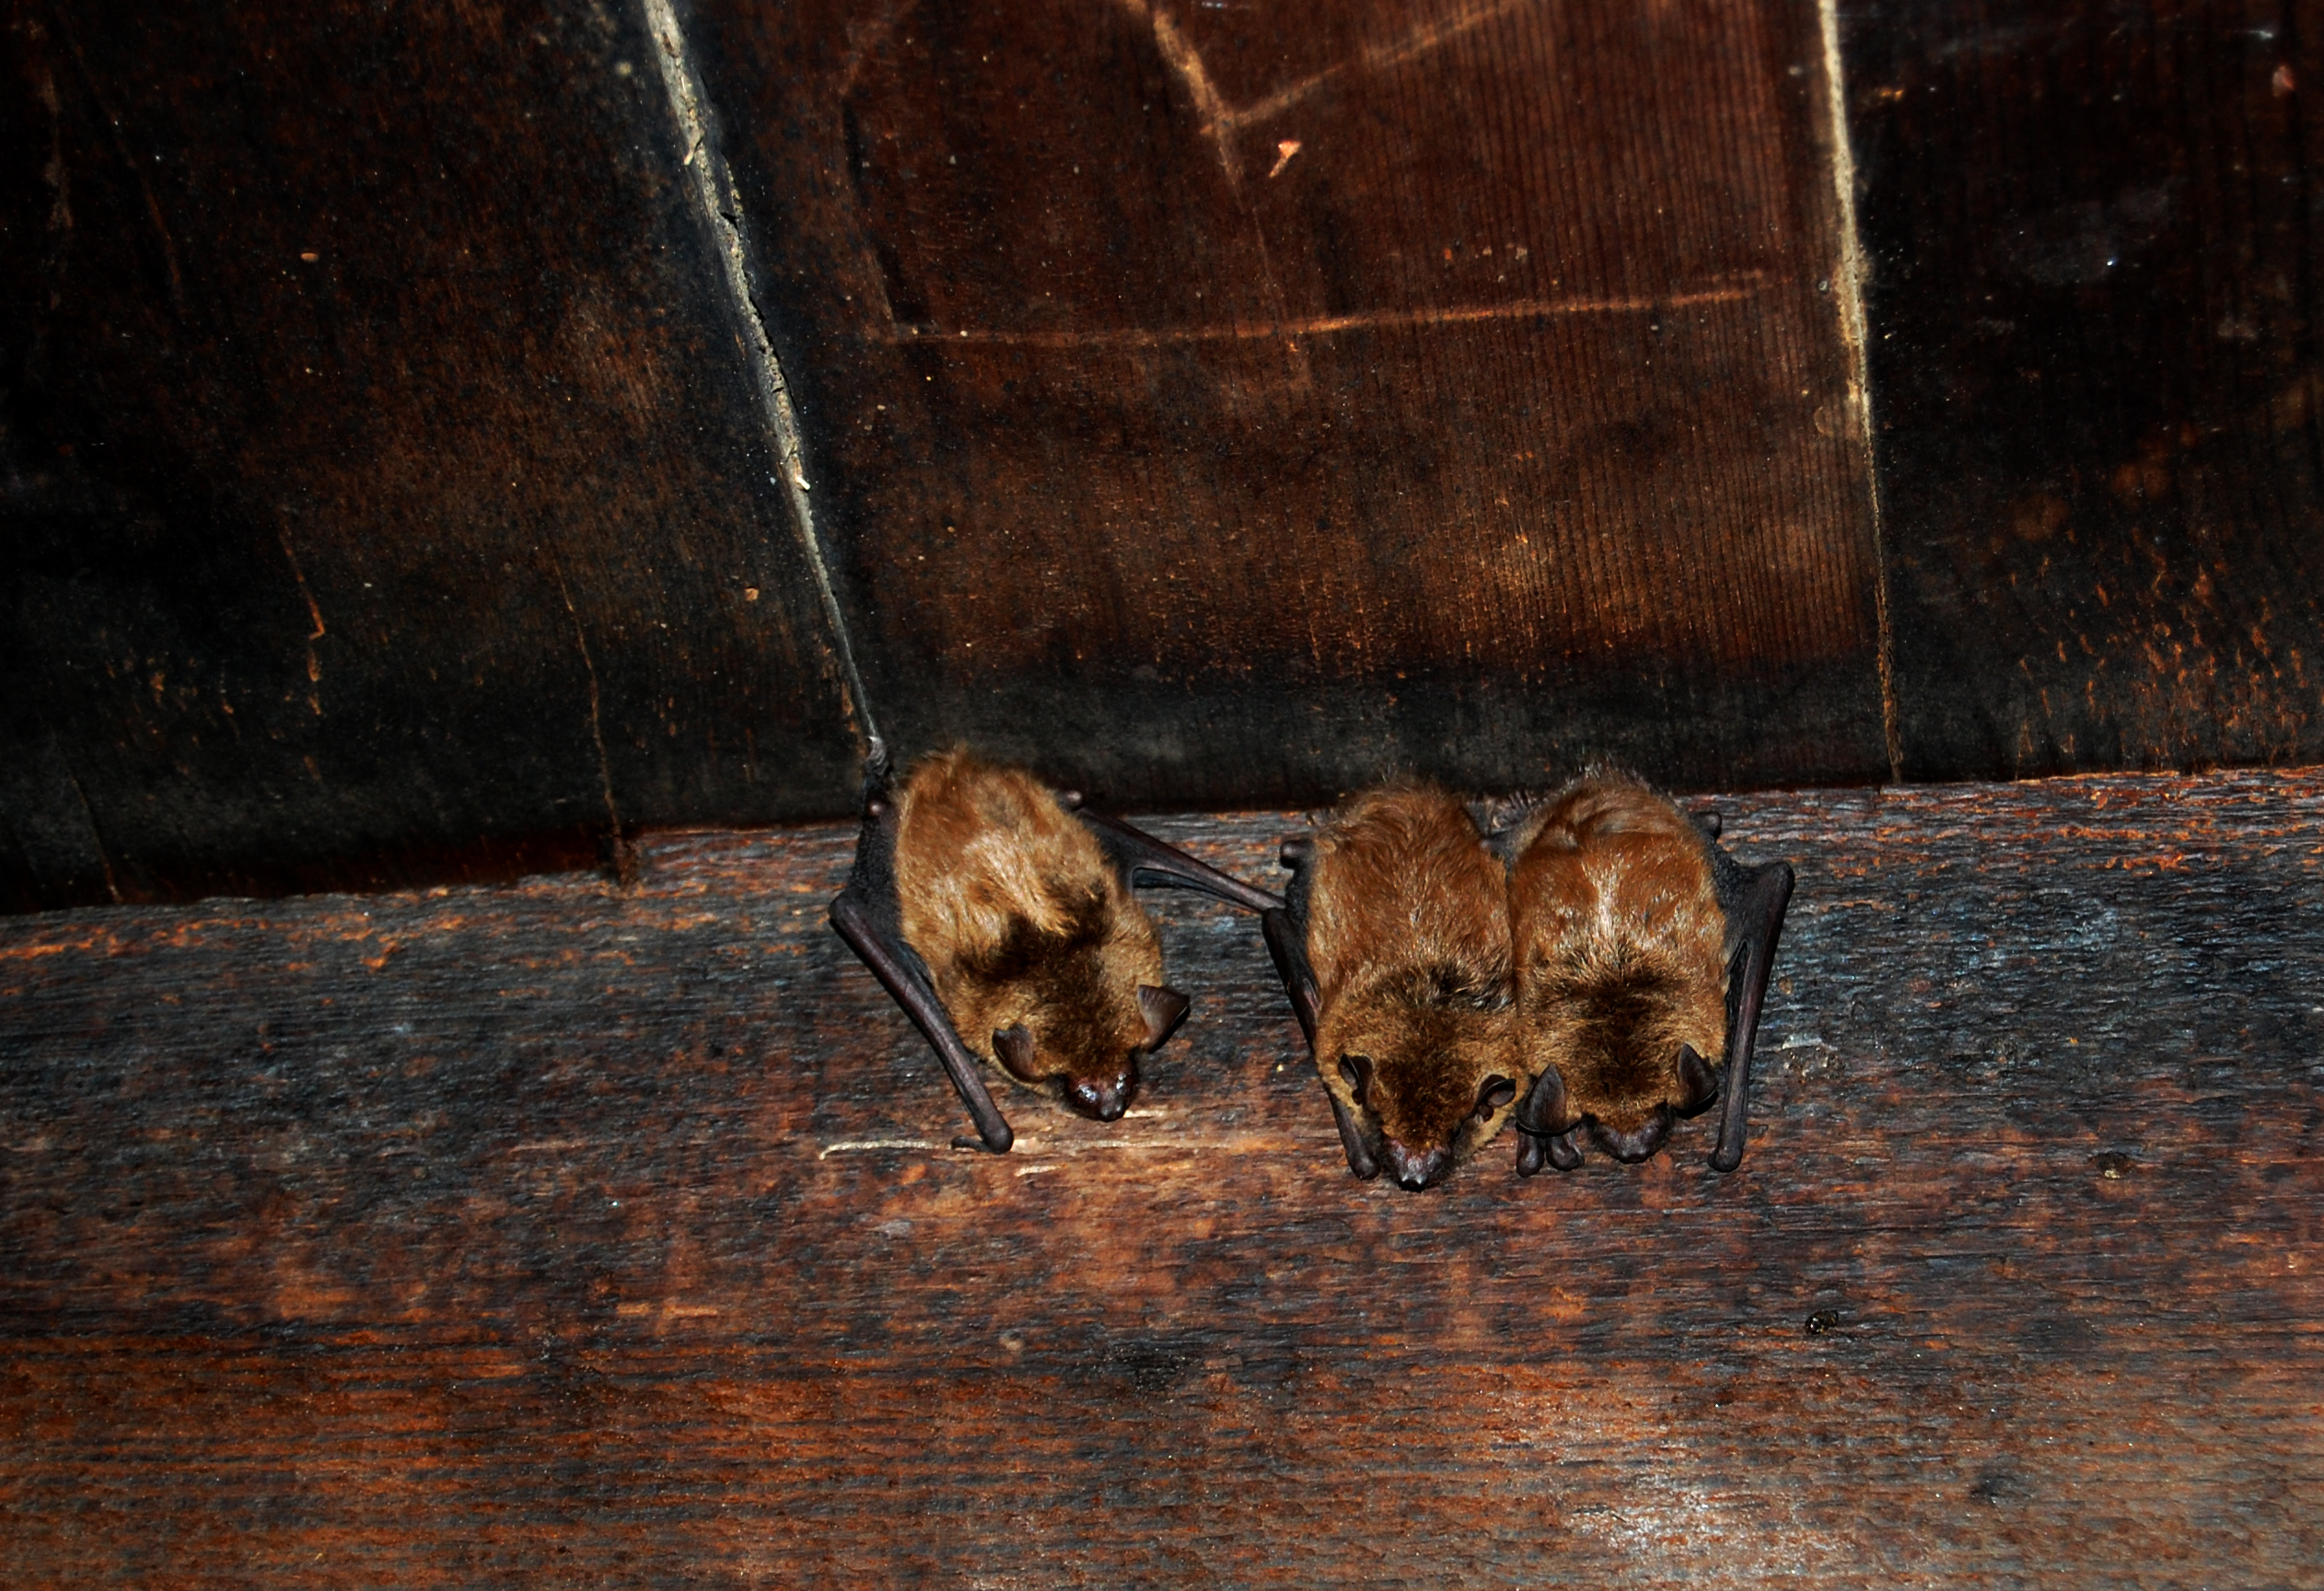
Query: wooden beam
x=566 y=1233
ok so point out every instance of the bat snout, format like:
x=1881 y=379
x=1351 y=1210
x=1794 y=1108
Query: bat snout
x=1415 y=1171
x=1634 y=1145
x=1101 y=1099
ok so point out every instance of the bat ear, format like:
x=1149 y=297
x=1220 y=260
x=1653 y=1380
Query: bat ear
x=1357 y=1070
x=1698 y=1084
x=1497 y=1092
x=1163 y=1008
x=1546 y=1110
x=1014 y=1047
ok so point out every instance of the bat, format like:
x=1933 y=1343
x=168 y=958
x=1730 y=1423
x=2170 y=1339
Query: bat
x=1643 y=950
x=999 y=914
x=1394 y=947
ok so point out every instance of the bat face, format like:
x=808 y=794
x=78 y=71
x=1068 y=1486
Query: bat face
x=1408 y=936
x=1041 y=956
x=1428 y=1085
x=1621 y=975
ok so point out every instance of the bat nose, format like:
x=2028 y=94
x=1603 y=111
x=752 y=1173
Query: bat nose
x=1099 y=1100
x=1414 y=1172
x=1638 y=1143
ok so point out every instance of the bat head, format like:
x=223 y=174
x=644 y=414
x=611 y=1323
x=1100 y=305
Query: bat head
x=1620 y=1051
x=1082 y=1043
x=1061 y=985
x=1428 y=1084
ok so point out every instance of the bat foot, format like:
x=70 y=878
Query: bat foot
x=1531 y=1157
x=964 y=1141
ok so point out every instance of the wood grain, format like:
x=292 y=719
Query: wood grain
x=1231 y=404
x=2093 y=232
x=385 y=497
x=562 y=1234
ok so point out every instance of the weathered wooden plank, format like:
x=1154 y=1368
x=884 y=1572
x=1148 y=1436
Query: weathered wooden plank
x=1229 y=404
x=384 y=494
x=2092 y=230
x=571 y=1234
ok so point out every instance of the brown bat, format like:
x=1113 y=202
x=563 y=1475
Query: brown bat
x=1394 y=947
x=1643 y=950
x=1000 y=916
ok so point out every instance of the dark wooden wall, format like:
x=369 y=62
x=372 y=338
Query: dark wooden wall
x=434 y=444
x=2094 y=232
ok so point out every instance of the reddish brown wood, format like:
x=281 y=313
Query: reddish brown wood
x=562 y=1234
x=1229 y=403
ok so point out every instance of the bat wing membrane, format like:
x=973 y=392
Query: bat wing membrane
x=1148 y=862
x=869 y=917
x=1754 y=901
x=1286 y=935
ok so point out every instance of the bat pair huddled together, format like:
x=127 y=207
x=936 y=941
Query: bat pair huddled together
x=1570 y=964
x=1573 y=964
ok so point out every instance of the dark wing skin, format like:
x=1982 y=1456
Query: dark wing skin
x=867 y=916
x=1754 y=899
x=1286 y=931
x=1147 y=862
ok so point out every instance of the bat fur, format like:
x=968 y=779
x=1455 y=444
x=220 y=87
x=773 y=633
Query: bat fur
x=1622 y=963
x=1407 y=932
x=1039 y=953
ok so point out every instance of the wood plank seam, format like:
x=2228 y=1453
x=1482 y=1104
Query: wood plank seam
x=1849 y=288
x=720 y=206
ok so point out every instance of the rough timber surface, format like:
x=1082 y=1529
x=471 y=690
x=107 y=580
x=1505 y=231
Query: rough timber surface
x=2092 y=230
x=1237 y=401
x=557 y=1234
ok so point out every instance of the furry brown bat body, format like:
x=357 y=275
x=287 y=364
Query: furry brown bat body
x=1402 y=971
x=989 y=906
x=1042 y=957
x=1622 y=954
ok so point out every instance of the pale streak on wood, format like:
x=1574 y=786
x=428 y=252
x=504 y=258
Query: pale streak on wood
x=858 y=1145
x=720 y=204
x=1731 y=292
x=1421 y=42
x=313 y=663
x=1068 y=1148
x=1849 y=289
x=1183 y=58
